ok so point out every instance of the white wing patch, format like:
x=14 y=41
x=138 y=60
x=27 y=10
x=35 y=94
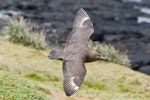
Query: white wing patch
x=74 y=86
x=80 y=18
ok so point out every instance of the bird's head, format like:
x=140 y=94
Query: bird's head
x=93 y=56
x=100 y=57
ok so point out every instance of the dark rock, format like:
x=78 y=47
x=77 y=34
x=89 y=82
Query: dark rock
x=143 y=69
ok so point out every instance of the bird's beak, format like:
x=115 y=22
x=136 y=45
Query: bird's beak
x=104 y=58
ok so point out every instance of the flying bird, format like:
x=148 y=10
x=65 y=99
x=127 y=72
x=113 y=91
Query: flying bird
x=76 y=53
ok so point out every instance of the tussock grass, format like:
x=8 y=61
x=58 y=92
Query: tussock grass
x=110 y=53
x=19 y=31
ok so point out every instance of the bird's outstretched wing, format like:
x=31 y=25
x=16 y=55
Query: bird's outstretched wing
x=73 y=72
x=82 y=28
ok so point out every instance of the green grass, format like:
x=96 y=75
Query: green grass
x=13 y=88
x=95 y=85
x=35 y=77
x=34 y=74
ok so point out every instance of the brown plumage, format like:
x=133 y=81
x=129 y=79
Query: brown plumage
x=76 y=53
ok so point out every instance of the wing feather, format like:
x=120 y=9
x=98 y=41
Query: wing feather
x=82 y=28
x=73 y=72
x=80 y=18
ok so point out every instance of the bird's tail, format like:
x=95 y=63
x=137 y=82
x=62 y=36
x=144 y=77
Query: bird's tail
x=56 y=54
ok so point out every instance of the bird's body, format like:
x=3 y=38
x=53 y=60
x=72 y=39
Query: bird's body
x=71 y=52
x=76 y=53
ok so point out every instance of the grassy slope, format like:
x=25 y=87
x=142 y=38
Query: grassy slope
x=104 y=81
